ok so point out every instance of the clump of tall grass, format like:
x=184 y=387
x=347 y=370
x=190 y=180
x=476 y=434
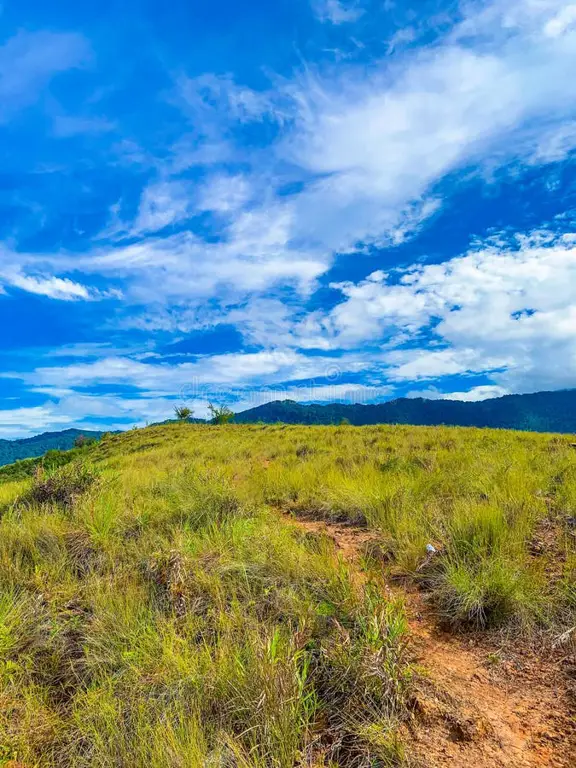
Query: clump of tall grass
x=62 y=486
x=481 y=576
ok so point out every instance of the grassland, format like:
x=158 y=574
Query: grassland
x=159 y=608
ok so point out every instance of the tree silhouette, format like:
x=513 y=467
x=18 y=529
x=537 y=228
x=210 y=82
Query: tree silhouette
x=183 y=413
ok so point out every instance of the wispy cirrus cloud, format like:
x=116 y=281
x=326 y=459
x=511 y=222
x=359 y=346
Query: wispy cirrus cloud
x=29 y=60
x=51 y=286
x=337 y=11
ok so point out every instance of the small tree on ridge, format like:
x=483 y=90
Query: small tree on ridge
x=220 y=414
x=183 y=413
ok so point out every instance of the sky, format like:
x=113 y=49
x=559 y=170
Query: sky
x=319 y=200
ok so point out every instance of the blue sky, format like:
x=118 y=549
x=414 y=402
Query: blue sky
x=313 y=199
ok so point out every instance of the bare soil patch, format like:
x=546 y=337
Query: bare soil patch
x=479 y=701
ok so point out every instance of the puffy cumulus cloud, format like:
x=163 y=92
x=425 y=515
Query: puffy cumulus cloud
x=509 y=310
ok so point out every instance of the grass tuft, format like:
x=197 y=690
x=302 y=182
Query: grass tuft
x=62 y=486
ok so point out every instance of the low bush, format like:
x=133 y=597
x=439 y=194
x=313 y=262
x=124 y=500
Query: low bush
x=61 y=486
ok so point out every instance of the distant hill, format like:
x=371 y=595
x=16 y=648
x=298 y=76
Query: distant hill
x=30 y=447
x=539 y=412
x=191 y=420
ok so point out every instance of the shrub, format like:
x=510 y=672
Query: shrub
x=83 y=442
x=183 y=413
x=221 y=414
x=61 y=486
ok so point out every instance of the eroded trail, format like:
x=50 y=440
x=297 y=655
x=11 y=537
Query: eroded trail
x=477 y=704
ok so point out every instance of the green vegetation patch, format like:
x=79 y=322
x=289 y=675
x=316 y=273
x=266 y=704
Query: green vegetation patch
x=159 y=607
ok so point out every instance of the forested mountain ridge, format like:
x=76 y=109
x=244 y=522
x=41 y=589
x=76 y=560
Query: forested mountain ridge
x=30 y=447
x=538 y=412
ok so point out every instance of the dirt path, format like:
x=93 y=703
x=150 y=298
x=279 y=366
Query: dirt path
x=478 y=705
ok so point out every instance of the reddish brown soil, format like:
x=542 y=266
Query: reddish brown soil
x=480 y=702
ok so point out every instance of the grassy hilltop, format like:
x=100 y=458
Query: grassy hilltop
x=159 y=607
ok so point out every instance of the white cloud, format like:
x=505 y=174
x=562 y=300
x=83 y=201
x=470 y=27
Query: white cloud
x=224 y=194
x=378 y=144
x=366 y=149
x=162 y=204
x=106 y=412
x=217 y=371
x=482 y=392
x=354 y=158
x=361 y=148
x=236 y=379
x=110 y=412
x=337 y=11
x=51 y=286
x=212 y=101
x=417 y=364
x=29 y=60
x=555 y=145
x=255 y=254
x=507 y=310
x=561 y=22
x=22 y=422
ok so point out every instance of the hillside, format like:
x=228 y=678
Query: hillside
x=539 y=412
x=30 y=447
x=281 y=596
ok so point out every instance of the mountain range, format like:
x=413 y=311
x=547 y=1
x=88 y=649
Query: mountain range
x=30 y=447
x=538 y=412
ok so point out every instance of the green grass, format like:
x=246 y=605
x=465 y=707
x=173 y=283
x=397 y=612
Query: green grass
x=156 y=609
